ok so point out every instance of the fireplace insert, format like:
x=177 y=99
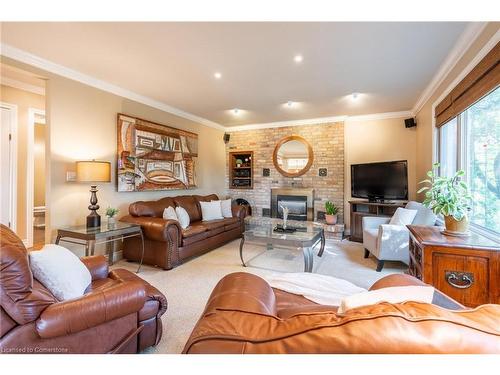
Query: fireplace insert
x=297 y=206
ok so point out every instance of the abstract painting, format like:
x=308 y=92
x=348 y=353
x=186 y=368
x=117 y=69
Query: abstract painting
x=152 y=156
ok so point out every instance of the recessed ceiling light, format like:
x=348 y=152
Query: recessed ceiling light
x=354 y=95
x=289 y=103
x=298 y=58
x=236 y=111
x=217 y=75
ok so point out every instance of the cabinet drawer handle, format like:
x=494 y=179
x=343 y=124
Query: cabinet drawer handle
x=464 y=279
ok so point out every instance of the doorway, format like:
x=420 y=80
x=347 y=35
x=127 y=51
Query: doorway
x=8 y=163
x=35 y=179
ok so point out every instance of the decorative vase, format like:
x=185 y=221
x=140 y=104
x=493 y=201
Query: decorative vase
x=331 y=219
x=456 y=227
x=111 y=222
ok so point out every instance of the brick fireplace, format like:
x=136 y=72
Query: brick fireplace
x=327 y=141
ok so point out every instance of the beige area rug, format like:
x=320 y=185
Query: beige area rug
x=188 y=286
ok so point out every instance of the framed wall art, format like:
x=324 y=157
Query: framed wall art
x=152 y=156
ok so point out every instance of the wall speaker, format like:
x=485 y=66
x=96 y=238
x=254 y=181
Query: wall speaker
x=410 y=122
x=226 y=137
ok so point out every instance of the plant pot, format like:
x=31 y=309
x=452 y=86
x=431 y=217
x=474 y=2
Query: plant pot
x=331 y=219
x=456 y=227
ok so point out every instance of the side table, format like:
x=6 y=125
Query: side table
x=105 y=234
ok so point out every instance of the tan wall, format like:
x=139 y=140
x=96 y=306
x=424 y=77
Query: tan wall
x=24 y=100
x=81 y=122
x=39 y=166
x=379 y=140
x=425 y=131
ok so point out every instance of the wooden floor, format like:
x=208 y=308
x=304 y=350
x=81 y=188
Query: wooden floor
x=38 y=238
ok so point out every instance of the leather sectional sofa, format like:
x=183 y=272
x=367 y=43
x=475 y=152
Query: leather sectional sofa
x=119 y=312
x=245 y=315
x=166 y=243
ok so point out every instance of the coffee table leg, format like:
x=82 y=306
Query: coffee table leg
x=241 y=250
x=308 y=259
x=322 y=248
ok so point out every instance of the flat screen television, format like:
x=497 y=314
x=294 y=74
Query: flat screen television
x=380 y=181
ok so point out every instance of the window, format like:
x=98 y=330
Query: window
x=471 y=141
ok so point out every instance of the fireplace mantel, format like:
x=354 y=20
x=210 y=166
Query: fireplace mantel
x=293 y=192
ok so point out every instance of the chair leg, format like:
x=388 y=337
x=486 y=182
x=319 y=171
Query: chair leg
x=380 y=265
x=367 y=253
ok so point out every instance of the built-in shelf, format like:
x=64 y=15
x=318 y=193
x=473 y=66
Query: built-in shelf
x=241 y=170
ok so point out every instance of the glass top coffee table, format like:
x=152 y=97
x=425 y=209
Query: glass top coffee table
x=304 y=239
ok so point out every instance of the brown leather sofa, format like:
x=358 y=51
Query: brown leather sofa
x=245 y=315
x=166 y=243
x=119 y=313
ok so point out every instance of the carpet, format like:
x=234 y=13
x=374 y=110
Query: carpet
x=188 y=286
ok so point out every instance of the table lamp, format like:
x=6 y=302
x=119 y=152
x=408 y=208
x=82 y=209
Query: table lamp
x=93 y=171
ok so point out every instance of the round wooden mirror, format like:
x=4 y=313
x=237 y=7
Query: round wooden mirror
x=293 y=156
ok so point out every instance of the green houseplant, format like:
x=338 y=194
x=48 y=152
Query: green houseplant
x=111 y=213
x=450 y=197
x=331 y=213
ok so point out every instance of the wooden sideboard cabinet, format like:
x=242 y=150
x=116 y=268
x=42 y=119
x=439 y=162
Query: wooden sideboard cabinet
x=465 y=268
x=360 y=209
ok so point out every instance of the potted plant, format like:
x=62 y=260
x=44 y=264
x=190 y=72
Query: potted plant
x=331 y=213
x=111 y=213
x=238 y=163
x=450 y=197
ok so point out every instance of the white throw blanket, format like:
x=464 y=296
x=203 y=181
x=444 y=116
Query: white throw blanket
x=325 y=290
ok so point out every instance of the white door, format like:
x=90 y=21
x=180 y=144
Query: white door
x=7 y=208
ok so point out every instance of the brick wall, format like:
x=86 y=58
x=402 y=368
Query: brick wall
x=327 y=141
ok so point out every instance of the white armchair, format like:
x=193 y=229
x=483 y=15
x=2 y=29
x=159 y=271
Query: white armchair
x=390 y=242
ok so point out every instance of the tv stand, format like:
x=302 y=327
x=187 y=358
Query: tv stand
x=362 y=208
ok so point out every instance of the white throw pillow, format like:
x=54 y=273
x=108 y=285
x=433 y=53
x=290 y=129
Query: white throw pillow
x=211 y=210
x=225 y=206
x=183 y=217
x=170 y=214
x=403 y=216
x=60 y=271
x=396 y=294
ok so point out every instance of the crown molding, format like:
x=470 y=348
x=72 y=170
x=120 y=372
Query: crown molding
x=49 y=66
x=380 y=116
x=6 y=81
x=282 y=124
x=470 y=34
x=321 y=120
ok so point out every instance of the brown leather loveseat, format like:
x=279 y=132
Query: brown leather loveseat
x=166 y=243
x=119 y=313
x=244 y=315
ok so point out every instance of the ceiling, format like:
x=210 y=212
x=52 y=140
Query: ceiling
x=14 y=77
x=388 y=64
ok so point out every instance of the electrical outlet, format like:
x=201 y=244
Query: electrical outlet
x=71 y=176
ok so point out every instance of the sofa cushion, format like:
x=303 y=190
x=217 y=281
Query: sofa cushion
x=150 y=208
x=60 y=271
x=193 y=230
x=206 y=198
x=214 y=224
x=231 y=223
x=190 y=204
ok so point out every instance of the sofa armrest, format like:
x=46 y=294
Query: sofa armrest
x=373 y=222
x=397 y=280
x=239 y=211
x=243 y=292
x=157 y=228
x=91 y=310
x=393 y=242
x=97 y=265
